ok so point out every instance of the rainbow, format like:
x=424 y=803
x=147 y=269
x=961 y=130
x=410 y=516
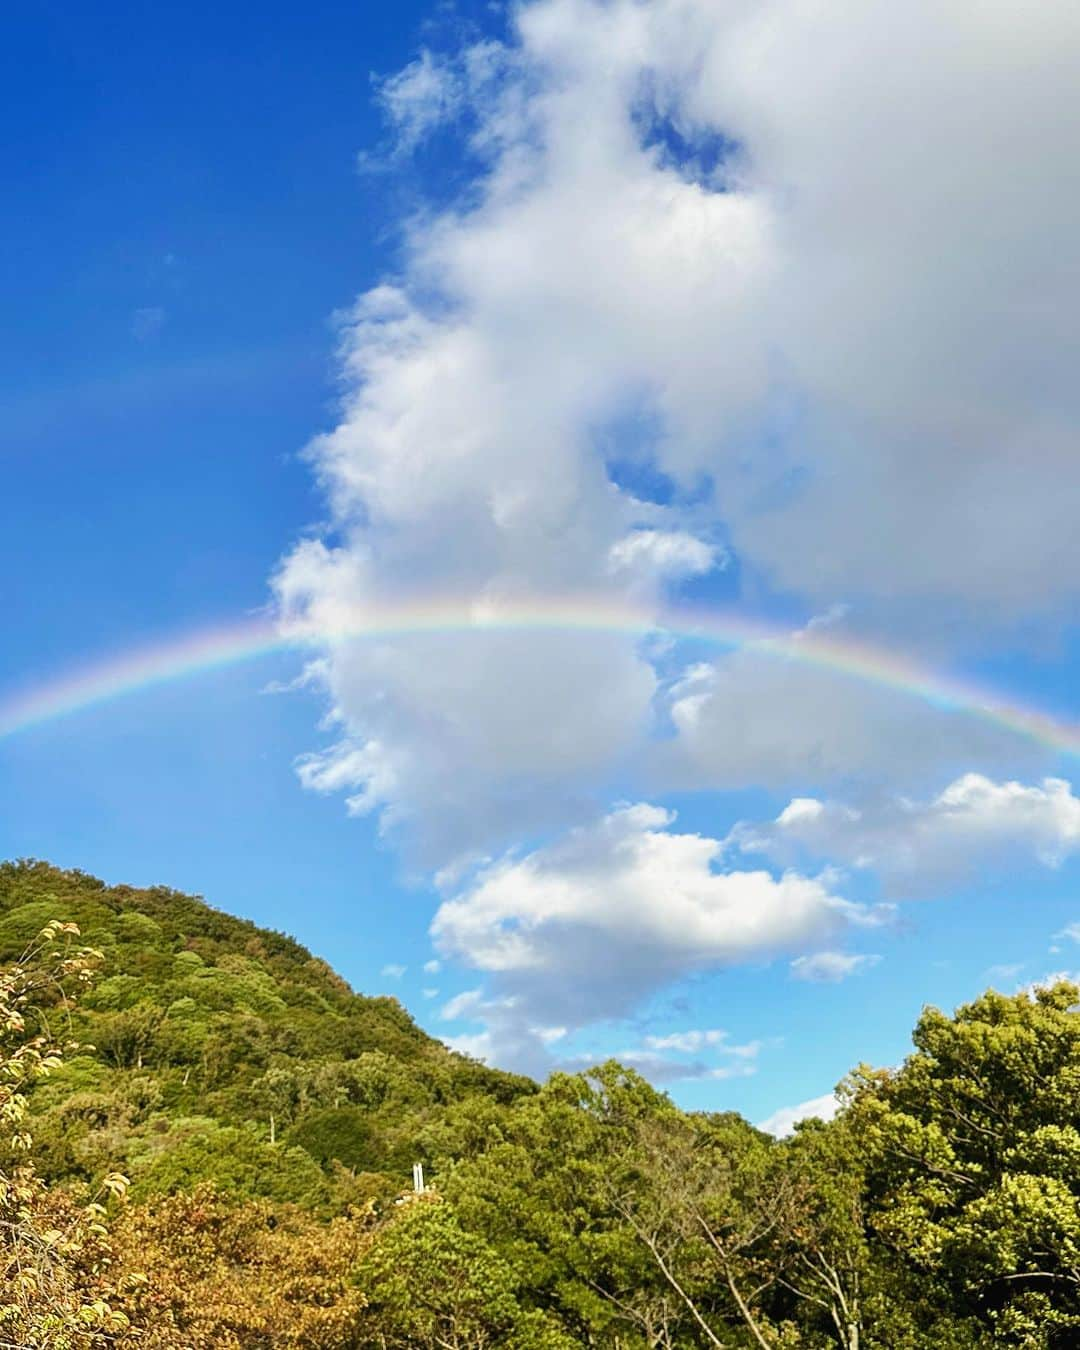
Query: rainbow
x=211 y=649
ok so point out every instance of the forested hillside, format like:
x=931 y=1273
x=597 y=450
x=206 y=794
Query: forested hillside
x=227 y=1053
x=261 y=1120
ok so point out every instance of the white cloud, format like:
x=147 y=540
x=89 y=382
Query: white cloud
x=432 y=967
x=787 y=324
x=782 y=1122
x=467 y=738
x=393 y=971
x=755 y=716
x=476 y=1046
x=1048 y=980
x=435 y=90
x=935 y=433
x=584 y=928
x=661 y=553
x=549 y=1035
x=465 y=1004
x=801 y=337
x=831 y=967
x=580 y=279
x=861 y=262
x=416 y=100
x=692 y=1041
x=510 y=1035
x=1070 y=931
x=628 y=878
x=918 y=845
x=430 y=993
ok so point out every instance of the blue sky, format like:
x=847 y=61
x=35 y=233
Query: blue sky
x=321 y=309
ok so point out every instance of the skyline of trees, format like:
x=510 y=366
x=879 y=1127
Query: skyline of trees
x=206 y=1140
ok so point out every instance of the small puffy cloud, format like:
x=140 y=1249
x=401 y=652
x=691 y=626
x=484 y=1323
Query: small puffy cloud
x=831 y=967
x=655 y=553
x=1070 y=931
x=466 y=1004
x=549 y=1035
x=476 y=1046
x=436 y=90
x=432 y=967
x=392 y=971
x=510 y=1035
x=584 y=928
x=919 y=845
x=782 y=1122
x=430 y=993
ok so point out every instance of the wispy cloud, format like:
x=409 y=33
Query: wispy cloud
x=831 y=967
x=1004 y=973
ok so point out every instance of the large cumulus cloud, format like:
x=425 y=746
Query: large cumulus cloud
x=778 y=287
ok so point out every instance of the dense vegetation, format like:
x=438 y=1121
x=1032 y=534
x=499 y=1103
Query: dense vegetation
x=266 y=1119
x=226 y=1053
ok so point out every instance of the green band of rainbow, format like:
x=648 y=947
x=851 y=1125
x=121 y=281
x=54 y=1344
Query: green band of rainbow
x=215 y=648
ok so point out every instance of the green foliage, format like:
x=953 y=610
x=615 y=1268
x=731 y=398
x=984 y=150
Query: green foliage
x=235 y=1161
x=974 y=1176
x=227 y=1054
x=431 y=1284
x=267 y=1117
x=57 y=1287
x=341 y=1134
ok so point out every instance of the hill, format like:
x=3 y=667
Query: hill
x=227 y=1053
x=267 y=1117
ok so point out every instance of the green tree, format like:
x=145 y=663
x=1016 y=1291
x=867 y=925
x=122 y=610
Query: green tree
x=431 y=1285
x=825 y=1258
x=974 y=1164
x=533 y=1181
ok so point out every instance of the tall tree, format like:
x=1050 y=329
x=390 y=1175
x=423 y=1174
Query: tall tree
x=974 y=1175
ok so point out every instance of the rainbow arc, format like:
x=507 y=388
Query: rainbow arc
x=215 y=648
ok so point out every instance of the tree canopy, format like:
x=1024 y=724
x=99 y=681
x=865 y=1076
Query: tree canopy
x=206 y=1140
